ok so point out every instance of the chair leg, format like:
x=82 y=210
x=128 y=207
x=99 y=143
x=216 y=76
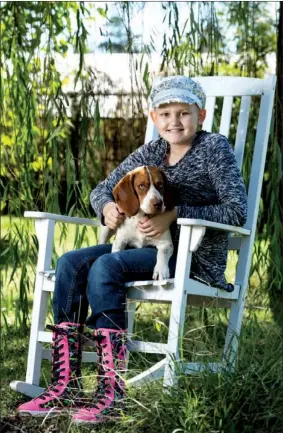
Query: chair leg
x=45 y=235
x=176 y=327
x=35 y=346
x=232 y=334
x=237 y=308
x=178 y=307
x=131 y=310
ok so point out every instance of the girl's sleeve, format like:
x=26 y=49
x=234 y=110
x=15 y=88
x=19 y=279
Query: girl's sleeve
x=226 y=179
x=102 y=194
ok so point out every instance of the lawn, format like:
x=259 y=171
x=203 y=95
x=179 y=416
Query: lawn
x=248 y=401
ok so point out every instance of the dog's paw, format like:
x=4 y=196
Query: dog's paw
x=161 y=273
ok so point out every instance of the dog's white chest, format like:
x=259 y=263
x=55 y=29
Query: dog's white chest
x=129 y=233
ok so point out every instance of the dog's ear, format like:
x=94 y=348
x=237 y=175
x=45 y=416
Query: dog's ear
x=125 y=196
x=168 y=194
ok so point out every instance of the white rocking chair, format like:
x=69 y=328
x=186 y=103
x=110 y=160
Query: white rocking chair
x=182 y=290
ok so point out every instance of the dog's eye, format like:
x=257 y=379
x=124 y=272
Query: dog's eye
x=142 y=186
x=159 y=185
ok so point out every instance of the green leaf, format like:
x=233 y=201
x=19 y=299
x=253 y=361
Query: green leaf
x=102 y=12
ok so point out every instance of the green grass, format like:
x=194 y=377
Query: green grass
x=248 y=401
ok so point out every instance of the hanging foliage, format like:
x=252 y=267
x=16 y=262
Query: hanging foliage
x=53 y=142
x=38 y=155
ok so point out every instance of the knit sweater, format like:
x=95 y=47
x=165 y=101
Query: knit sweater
x=206 y=183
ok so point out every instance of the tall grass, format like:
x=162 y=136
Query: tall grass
x=51 y=162
x=247 y=401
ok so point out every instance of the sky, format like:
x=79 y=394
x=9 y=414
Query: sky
x=148 y=22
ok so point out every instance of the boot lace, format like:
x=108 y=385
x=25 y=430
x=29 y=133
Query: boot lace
x=57 y=355
x=102 y=386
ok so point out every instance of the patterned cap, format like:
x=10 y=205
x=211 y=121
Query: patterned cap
x=177 y=88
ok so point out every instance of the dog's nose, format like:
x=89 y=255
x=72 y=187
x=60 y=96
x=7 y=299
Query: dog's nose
x=157 y=205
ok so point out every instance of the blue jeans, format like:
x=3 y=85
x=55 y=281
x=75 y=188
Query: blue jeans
x=96 y=277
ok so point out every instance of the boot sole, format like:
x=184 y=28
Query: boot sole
x=41 y=414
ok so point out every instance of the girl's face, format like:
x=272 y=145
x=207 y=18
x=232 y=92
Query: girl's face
x=177 y=123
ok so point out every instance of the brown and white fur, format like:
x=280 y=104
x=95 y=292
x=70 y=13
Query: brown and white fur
x=142 y=192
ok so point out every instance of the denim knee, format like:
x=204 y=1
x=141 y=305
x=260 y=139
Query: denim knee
x=66 y=262
x=107 y=267
x=106 y=288
x=69 y=301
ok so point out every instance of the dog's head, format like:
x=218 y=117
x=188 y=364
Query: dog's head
x=145 y=188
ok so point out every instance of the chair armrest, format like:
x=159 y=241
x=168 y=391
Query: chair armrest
x=62 y=218
x=213 y=225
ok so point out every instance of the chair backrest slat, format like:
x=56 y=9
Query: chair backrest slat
x=210 y=107
x=230 y=86
x=242 y=129
x=260 y=148
x=226 y=116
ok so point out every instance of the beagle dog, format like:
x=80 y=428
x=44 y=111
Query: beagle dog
x=142 y=192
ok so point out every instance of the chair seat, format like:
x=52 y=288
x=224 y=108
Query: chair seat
x=162 y=291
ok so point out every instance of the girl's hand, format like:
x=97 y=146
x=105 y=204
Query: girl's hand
x=112 y=217
x=158 y=224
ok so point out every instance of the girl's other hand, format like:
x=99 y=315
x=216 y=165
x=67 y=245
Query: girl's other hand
x=112 y=217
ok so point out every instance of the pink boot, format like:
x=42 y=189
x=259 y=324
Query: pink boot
x=110 y=390
x=64 y=392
